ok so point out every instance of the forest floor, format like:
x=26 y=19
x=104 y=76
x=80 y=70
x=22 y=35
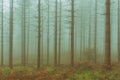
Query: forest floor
x=83 y=71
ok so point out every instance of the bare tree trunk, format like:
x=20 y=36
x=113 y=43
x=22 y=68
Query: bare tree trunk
x=59 y=56
x=24 y=35
x=72 y=32
x=42 y=26
x=95 y=33
x=28 y=36
x=11 y=36
x=90 y=28
x=107 y=41
x=39 y=20
x=81 y=41
x=89 y=40
x=48 y=37
x=118 y=32
x=55 y=43
x=2 y=57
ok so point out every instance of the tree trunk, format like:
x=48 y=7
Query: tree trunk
x=2 y=57
x=28 y=36
x=72 y=32
x=118 y=32
x=90 y=28
x=107 y=41
x=11 y=36
x=81 y=37
x=39 y=22
x=48 y=37
x=59 y=56
x=55 y=44
x=95 y=33
x=24 y=35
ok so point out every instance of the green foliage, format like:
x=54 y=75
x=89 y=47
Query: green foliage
x=60 y=73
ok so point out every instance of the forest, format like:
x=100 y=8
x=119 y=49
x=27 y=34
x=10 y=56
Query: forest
x=59 y=39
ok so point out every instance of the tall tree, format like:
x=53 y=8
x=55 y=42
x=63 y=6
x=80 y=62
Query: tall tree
x=23 y=33
x=48 y=36
x=39 y=23
x=90 y=27
x=72 y=32
x=81 y=37
x=118 y=31
x=55 y=37
x=95 y=32
x=60 y=18
x=2 y=33
x=107 y=37
x=11 y=36
x=28 y=32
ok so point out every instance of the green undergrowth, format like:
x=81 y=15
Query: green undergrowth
x=78 y=72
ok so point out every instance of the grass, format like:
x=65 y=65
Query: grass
x=83 y=71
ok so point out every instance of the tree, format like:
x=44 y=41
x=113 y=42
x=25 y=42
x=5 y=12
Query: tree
x=72 y=32
x=107 y=37
x=39 y=23
x=23 y=33
x=60 y=17
x=55 y=37
x=95 y=32
x=48 y=36
x=118 y=32
x=11 y=36
x=28 y=32
x=2 y=34
x=90 y=27
x=81 y=37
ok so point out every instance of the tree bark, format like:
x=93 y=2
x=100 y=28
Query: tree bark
x=72 y=32
x=39 y=23
x=48 y=37
x=118 y=32
x=107 y=38
x=2 y=57
x=59 y=56
x=95 y=33
x=55 y=37
x=24 y=35
x=11 y=36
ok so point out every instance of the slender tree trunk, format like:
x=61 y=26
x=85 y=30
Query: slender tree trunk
x=42 y=26
x=107 y=41
x=2 y=57
x=48 y=37
x=118 y=31
x=90 y=28
x=59 y=56
x=55 y=44
x=95 y=33
x=81 y=41
x=11 y=36
x=28 y=36
x=24 y=35
x=39 y=20
x=72 y=32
